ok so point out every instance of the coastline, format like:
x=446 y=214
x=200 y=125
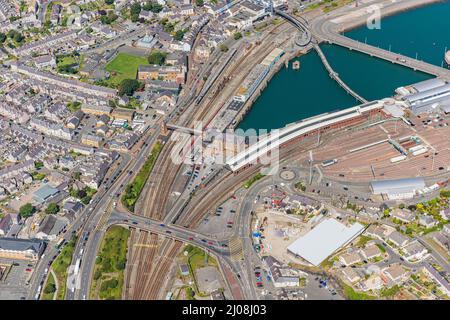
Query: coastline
x=398 y=8
x=386 y=12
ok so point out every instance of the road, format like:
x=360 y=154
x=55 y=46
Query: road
x=90 y=246
x=39 y=274
x=208 y=244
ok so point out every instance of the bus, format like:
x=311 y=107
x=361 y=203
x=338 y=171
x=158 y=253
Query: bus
x=77 y=266
x=38 y=293
x=59 y=243
x=327 y=163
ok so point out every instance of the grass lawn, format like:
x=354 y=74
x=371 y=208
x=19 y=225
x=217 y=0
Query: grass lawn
x=124 y=66
x=381 y=247
x=353 y=295
x=60 y=266
x=110 y=265
x=67 y=61
x=252 y=180
x=134 y=189
x=362 y=241
x=196 y=259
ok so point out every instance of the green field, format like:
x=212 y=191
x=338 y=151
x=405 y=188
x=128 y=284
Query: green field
x=50 y=281
x=110 y=265
x=60 y=266
x=134 y=189
x=196 y=259
x=124 y=66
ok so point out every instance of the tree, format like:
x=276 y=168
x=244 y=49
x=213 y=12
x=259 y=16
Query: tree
x=152 y=6
x=120 y=265
x=179 y=35
x=135 y=8
x=199 y=3
x=2 y=37
x=157 y=57
x=134 y=17
x=109 y=18
x=38 y=164
x=52 y=208
x=26 y=210
x=237 y=36
x=223 y=47
x=77 y=175
x=15 y=35
x=109 y=2
x=85 y=200
x=50 y=288
x=128 y=87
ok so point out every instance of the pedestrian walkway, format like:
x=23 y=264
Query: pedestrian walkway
x=236 y=249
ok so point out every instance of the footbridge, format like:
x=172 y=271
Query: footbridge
x=303 y=26
x=178 y=128
x=335 y=75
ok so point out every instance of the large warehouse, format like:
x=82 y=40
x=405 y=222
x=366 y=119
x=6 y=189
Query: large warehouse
x=398 y=189
x=327 y=237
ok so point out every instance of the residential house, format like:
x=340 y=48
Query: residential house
x=395 y=274
x=351 y=275
x=403 y=215
x=348 y=259
x=371 y=252
x=414 y=251
x=398 y=239
x=427 y=221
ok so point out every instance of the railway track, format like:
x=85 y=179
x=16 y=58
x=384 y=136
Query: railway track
x=226 y=185
x=142 y=256
x=162 y=269
x=162 y=178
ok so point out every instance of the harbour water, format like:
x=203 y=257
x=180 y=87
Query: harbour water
x=423 y=32
x=292 y=95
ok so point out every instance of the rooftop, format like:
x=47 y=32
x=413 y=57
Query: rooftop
x=323 y=240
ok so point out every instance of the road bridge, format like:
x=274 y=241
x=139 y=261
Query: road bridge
x=301 y=24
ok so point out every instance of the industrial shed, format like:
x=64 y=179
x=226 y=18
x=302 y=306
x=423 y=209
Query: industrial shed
x=327 y=237
x=428 y=84
x=400 y=188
